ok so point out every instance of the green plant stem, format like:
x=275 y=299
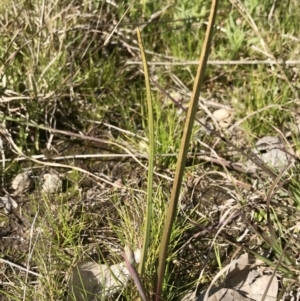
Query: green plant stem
x=151 y=158
x=182 y=155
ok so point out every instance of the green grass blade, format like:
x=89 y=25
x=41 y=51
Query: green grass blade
x=151 y=158
x=182 y=155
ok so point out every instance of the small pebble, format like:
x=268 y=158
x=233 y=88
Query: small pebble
x=52 y=184
x=22 y=183
x=8 y=203
x=223 y=117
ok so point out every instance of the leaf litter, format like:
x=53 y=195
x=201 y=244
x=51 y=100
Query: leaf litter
x=245 y=281
x=91 y=281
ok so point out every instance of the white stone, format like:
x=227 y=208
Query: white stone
x=52 y=184
x=221 y=114
x=22 y=182
x=224 y=117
